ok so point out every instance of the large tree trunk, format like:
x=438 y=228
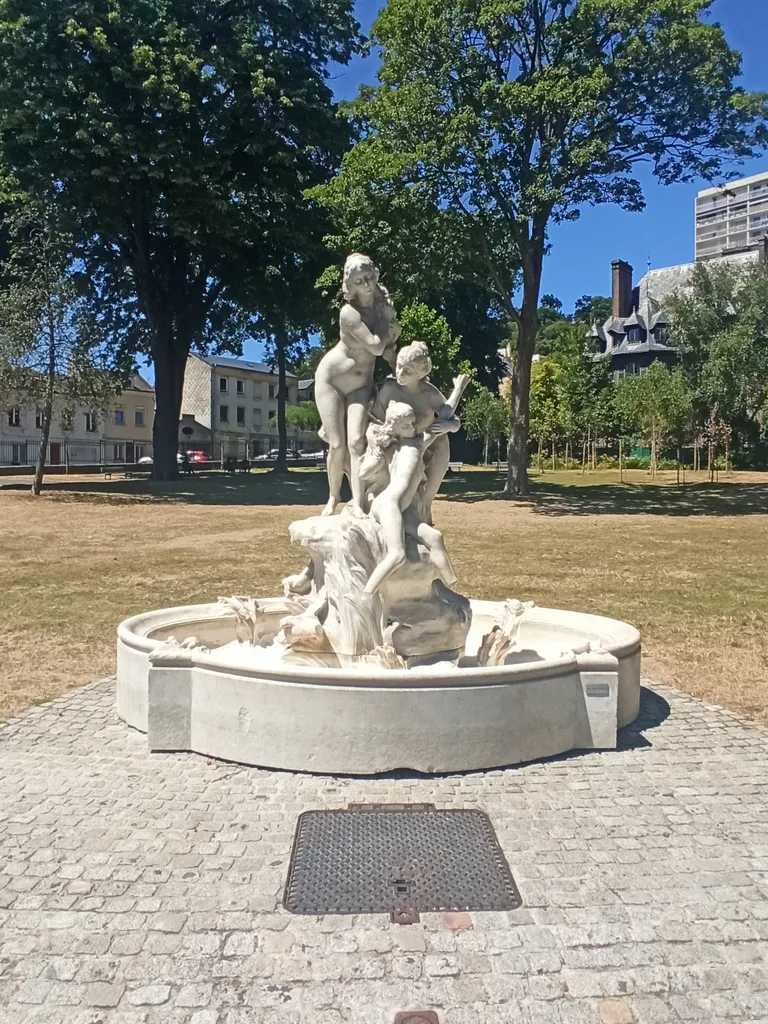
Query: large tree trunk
x=517 y=449
x=281 y=344
x=170 y=359
x=37 y=483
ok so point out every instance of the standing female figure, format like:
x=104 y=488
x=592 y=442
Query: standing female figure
x=368 y=328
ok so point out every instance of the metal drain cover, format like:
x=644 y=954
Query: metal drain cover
x=397 y=859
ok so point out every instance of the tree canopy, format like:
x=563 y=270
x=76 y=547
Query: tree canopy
x=52 y=352
x=176 y=141
x=720 y=330
x=494 y=120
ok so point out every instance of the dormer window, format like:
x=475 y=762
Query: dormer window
x=635 y=334
x=660 y=334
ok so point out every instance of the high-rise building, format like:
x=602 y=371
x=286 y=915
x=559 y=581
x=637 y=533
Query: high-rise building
x=733 y=218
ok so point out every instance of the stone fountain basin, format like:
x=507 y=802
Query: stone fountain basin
x=361 y=721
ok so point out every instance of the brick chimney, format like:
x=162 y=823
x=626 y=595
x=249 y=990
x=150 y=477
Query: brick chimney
x=621 y=288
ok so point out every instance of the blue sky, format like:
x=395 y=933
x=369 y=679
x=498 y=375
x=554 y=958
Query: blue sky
x=580 y=260
x=582 y=251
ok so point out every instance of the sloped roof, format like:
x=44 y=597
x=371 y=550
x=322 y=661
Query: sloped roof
x=230 y=363
x=139 y=384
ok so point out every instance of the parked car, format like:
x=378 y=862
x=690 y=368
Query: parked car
x=198 y=457
x=147 y=460
x=295 y=456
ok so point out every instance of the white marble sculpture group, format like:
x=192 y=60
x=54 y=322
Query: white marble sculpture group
x=377 y=585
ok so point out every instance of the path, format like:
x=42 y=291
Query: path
x=140 y=889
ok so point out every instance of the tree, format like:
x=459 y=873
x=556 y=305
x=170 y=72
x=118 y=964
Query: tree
x=51 y=355
x=592 y=309
x=420 y=323
x=548 y=414
x=584 y=385
x=486 y=416
x=494 y=120
x=303 y=416
x=306 y=365
x=719 y=327
x=174 y=139
x=658 y=403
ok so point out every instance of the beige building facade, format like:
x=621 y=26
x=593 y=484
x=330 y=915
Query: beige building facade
x=733 y=218
x=228 y=404
x=121 y=434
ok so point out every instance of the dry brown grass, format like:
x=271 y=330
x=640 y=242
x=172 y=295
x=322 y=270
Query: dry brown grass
x=689 y=567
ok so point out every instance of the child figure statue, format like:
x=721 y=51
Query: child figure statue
x=393 y=469
x=435 y=415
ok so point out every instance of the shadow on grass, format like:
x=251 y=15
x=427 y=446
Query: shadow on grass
x=305 y=487
x=309 y=487
x=553 y=499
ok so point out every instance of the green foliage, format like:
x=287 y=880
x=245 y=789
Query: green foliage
x=486 y=415
x=592 y=309
x=658 y=403
x=303 y=416
x=492 y=120
x=548 y=403
x=420 y=323
x=720 y=329
x=52 y=354
x=175 y=141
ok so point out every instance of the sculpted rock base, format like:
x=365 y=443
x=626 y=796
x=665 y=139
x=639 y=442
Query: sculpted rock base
x=413 y=616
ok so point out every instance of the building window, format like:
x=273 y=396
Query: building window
x=138 y=452
x=117 y=453
x=138 y=418
x=660 y=334
x=223 y=385
x=119 y=417
x=90 y=422
x=272 y=414
x=635 y=334
x=14 y=416
x=241 y=414
x=39 y=419
x=223 y=414
x=271 y=390
x=241 y=387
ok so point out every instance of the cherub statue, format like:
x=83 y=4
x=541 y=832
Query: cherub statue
x=368 y=328
x=393 y=469
x=435 y=415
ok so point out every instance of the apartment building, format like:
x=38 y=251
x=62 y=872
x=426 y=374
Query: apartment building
x=122 y=433
x=733 y=218
x=229 y=403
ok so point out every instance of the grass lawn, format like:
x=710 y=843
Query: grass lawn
x=688 y=566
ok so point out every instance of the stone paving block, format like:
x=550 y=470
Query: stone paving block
x=145 y=889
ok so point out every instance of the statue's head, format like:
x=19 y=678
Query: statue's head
x=360 y=283
x=413 y=363
x=400 y=419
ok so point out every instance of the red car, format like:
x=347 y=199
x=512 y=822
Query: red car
x=198 y=457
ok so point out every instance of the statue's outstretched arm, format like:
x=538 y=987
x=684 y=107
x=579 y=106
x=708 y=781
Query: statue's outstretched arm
x=352 y=323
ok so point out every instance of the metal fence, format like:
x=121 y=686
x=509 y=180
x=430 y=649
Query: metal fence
x=74 y=453
x=77 y=454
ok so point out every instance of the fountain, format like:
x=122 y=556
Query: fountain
x=369 y=661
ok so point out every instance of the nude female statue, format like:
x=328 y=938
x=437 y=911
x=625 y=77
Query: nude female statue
x=395 y=459
x=433 y=412
x=368 y=328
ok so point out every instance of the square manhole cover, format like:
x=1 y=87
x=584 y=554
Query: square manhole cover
x=398 y=860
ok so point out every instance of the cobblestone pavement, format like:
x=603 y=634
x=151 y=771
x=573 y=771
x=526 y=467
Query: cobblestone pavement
x=141 y=888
